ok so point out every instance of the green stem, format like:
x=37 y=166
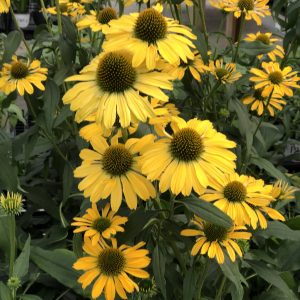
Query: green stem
x=242 y=23
x=12 y=238
x=59 y=21
x=202 y=278
x=177 y=13
x=45 y=16
x=203 y=23
x=20 y=30
x=221 y=288
x=178 y=256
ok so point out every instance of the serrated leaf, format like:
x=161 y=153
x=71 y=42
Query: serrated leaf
x=11 y=44
x=21 y=264
x=207 y=211
x=5 y=292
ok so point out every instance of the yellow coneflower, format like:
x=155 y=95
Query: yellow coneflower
x=224 y=72
x=189 y=157
x=267 y=39
x=4 y=6
x=274 y=79
x=96 y=226
x=97 y=22
x=195 y=66
x=109 y=87
x=150 y=35
x=11 y=203
x=282 y=191
x=259 y=102
x=22 y=76
x=112 y=170
x=252 y=9
x=163 y=115
x=109 y=268
x=214 y=240
x=68 y=8
x=236 y=195
x=94 y=130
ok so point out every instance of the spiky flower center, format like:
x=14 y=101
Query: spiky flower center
x=276 y=77
x=19 y=70
x=246 y=5
x=111 y=262
x=221 y=72
x=214 y=232
x=186 y=145
x=235 y=191
x=117 y=160
x=107 y=14
x=263 y=38
x=115 y=73
x=11 y=204
x=101 y=224
x=150 y=26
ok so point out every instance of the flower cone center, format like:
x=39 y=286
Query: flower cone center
x=235 y=191
x=263 y=38
x=101 y=224
x=107 y=14
x=117 y=160
x=221 y=72
x=63 y=7
x=214 y=232
x=115 y=73
x=19 y=70
x=276 y=77
x=111 y=262
x=150 y=26
x=186 y=145
x=246 y=5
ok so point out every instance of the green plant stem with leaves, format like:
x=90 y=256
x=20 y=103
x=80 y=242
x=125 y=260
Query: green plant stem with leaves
x=12 y=239
x=221 y=289
x=21 y=32
x=241 y=29
x=59 y=19
x=203 y=23
x=203 y=274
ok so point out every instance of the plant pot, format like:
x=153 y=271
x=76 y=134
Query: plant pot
x=23 y=19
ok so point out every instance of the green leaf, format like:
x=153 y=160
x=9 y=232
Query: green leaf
x=231 y=271
x=57 y=263
x=11 y=44
x=22 y=262
x=30 y=297
x=77 y=245
x=207 y=211
x=5 y=292
x=159 y=264
x=265 y=164
x=255 y=48
x=51 y=99
x=279 y=230
x=288 y=256
x=189 y=284
x=294 y=223
x=271 y=276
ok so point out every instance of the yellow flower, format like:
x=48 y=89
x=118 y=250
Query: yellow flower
x=237 y=195
x=97 y=22
x=267 y=39
x=110 y=267
x=22 y=76
x=150 y=35
x=214 y=240
x=195 y=66
x=112 y=170
x=69 y=8
x=188 y=158
x=224 y=73
x=163 y=115
x=93 y=130
x=96 y=226
x=11 y=204
x=219 y=4
x=259 y=102
x=252 y=9
x=110 y=87
x=4 y=6
x=273 y=78
x=282 y=191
